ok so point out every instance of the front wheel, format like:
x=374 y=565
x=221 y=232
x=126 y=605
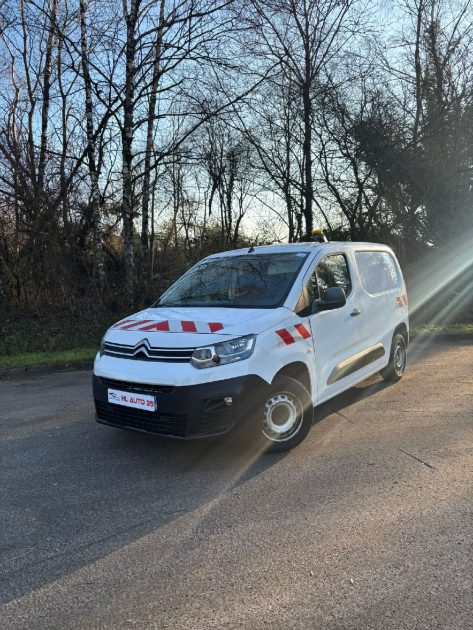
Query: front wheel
x=397 y=360
x=286 y=415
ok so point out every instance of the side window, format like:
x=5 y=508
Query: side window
x=332 y=271
x=378 y=271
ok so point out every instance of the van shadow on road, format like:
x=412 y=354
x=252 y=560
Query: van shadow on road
x=351 y=396
x=420 y=349
x=81 y=491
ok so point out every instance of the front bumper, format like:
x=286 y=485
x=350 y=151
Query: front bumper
x=184 y=412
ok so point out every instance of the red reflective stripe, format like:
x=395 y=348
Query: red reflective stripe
x=188 y=327
x=399 y=300
x=159 y=326
x=135 y=323
x=214 y=326
x=124 y=321
x=302 y=330
x=286 y=336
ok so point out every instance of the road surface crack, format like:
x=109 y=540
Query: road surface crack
x=421 y=461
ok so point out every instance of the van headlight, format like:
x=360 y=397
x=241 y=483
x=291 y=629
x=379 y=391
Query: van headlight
x=223 y=353
x=102 y=347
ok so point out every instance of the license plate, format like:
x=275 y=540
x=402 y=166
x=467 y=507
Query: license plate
x=128 y=399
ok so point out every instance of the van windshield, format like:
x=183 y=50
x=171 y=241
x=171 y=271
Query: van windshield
x=247 y=281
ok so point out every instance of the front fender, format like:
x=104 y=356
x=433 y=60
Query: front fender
x=288 y=343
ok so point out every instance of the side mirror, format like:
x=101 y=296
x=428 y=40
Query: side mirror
x=334 y=298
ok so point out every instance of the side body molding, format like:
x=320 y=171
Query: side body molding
x=356 y=362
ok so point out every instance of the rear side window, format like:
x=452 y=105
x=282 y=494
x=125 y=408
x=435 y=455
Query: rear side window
x=378 y=271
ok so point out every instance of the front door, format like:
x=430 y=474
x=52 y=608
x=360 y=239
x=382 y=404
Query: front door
x=338 y=334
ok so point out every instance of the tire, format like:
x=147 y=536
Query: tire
x=286 y=415
x=397 y=360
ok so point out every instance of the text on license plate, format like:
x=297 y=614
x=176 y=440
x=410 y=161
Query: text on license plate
x=129 y=399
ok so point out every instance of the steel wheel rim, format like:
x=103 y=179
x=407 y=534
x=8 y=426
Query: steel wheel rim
x=283 y=414
x=399 y=359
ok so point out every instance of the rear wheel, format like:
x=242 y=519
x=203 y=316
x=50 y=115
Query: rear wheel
x=286 y=415
x=397 y=360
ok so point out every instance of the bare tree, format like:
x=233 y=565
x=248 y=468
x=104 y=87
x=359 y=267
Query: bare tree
x=158 y=48
x=226 y=160
x=91 y=149
x=131 y=16
x=271 y=125
x=352 y=186
x=303 y=38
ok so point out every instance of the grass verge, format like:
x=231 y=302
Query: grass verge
x=56 y=357
x=452 y=330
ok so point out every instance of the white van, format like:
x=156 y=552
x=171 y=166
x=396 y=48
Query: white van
x=258 y=336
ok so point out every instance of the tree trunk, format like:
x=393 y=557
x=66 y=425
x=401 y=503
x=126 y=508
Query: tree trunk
x=151 y=240
x=131 y=19
x=287 y=168
x=46 y=95
x=64 y=139
x=94 y=178
x=307 y=150
x=418 y=72
x=149 y=143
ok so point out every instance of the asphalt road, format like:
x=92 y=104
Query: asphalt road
x=367 y=524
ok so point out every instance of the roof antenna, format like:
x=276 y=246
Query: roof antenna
x=251 y=250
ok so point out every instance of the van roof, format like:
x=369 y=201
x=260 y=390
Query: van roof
x=301 y=247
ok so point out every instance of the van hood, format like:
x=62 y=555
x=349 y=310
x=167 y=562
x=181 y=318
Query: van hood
x=193 y=326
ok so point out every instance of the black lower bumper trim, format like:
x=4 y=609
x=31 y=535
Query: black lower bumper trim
x=140 y=420
x=182 y=412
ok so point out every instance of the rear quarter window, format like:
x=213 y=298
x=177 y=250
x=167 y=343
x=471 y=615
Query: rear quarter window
x=378 y=271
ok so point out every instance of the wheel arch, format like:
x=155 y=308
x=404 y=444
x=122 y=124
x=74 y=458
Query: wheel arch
x=402 y=329
x=299 y=371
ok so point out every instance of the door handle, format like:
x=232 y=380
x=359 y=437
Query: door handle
x=355 y=312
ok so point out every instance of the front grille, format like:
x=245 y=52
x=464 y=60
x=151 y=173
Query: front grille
x=217 y=417
x=152 y=422
x=144 y=352
x=138 y=388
